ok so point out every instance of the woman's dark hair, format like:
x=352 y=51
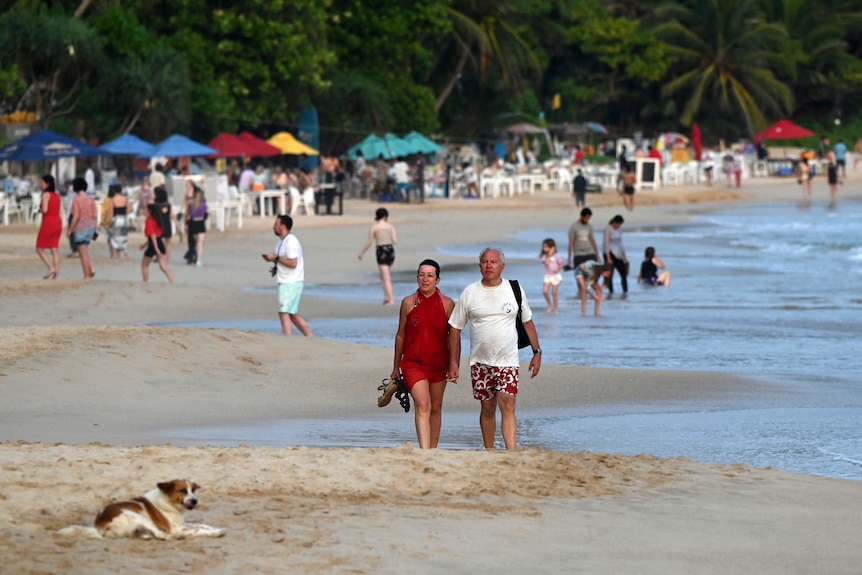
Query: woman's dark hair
x=161 y=194
x=617 y=219
x=155 y=213
x=114 y=189
x=431 y=263
x=381 y=213
x=79 y=185
x=49 y=180
x=649 y=253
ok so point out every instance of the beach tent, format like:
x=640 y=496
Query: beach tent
x=783 y=130
x=285 y=142
x=178 y=146
x=47 y=145
x=421 y=144
x=128 y=145
x=260 y=148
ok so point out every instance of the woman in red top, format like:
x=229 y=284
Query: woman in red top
x=422 y=350
x=51 y=228
x=154 y=245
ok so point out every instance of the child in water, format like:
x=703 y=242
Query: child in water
x=650 y=270
x=553 y=265
x=588 y=275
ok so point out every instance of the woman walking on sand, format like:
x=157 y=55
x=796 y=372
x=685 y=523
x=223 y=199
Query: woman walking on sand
x=82 y=227
x=51 y=228
x=117 y=216
x=154 y=245
x=422 y=352
x=196 y=216
x=383 y=234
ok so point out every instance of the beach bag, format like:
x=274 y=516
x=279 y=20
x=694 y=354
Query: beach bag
x=523 y=338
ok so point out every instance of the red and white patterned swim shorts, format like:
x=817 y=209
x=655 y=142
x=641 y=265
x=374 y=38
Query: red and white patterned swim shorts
x=488 y=380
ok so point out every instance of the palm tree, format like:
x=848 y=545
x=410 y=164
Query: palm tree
x=727 y=55
x=489 y=34
x=819 y=31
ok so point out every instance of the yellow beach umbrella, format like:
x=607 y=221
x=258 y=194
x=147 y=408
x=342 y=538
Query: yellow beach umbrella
x=285 y=142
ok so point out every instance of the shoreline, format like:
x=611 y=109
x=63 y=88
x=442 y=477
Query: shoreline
x=84 y=386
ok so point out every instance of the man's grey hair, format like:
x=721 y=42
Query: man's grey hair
x=490 y=249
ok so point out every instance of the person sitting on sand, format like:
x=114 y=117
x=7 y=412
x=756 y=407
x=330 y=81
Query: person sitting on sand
x=649 y=270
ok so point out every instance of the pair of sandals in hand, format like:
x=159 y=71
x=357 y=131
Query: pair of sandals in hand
x=395 y=387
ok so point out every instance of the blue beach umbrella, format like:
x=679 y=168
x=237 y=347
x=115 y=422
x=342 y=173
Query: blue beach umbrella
x=178 y=146
x=47 y=145
x=127 y=144
x=371 y=147
x=422 y=144
x=397 y=146
x=595 y=128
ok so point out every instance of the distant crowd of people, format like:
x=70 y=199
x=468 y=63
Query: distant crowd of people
x=116 y=217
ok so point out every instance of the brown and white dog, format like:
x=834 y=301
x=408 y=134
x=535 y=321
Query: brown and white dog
x=158 y=514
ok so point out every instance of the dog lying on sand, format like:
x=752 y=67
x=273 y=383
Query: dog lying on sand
x=156 y=515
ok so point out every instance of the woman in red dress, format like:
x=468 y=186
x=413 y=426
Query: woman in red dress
x=422 y=350
x=51 y=229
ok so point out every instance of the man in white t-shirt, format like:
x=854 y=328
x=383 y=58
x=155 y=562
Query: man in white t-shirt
x=289 y=271
x=490 y=307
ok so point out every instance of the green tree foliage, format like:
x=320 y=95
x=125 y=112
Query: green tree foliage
x=12 y=88
x=146 y=81
x=250 y=62
x=55 y=57
x=494 y=42
x=819 y=33
x=460 y=67
x=385 y=56
x=727 y=55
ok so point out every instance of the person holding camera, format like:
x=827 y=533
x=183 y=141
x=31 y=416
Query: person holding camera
x=289 y=270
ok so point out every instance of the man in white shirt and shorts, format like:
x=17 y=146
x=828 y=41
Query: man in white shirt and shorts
x=289 y=271
x=490 y=307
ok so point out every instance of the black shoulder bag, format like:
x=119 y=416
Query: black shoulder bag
x=523 y=338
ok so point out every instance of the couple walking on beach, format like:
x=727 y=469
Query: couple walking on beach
x=428 y=348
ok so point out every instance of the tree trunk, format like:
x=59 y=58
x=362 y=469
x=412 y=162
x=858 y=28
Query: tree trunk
x=450 y=85
x=82 y=8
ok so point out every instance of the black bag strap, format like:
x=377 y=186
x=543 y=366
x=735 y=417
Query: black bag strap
x=517 y=289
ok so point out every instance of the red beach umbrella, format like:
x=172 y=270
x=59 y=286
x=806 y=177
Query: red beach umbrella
x=695 y=142
x=260 y=148
x=783 y=130
x=228 y=146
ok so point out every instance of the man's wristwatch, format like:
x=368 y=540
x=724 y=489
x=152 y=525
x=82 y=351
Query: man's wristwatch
x=537 y=350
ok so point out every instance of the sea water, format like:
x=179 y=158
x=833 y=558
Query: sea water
x=767 y=290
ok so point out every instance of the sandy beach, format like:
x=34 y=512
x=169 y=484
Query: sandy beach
x=89 y=386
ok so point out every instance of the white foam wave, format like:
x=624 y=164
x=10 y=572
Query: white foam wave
x=840 y=457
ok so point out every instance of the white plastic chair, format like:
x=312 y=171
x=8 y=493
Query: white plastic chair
x=304 y=200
